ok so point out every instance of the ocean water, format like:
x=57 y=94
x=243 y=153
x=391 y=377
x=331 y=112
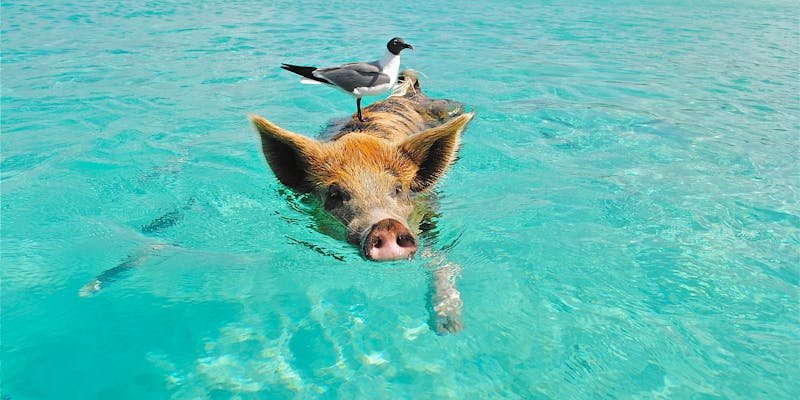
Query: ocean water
x=625 y=209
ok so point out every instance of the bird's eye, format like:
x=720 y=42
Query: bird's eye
x=335 y=198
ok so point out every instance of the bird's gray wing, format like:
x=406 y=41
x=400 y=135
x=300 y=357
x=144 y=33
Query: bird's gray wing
x=354 y=75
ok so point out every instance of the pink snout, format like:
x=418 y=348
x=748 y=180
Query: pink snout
x=389 y=240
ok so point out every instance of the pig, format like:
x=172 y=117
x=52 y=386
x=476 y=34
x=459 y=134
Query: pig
x=371 y=176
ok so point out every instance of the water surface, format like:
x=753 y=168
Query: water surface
x=624 y=209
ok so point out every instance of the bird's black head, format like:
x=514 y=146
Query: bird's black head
x=396 y=45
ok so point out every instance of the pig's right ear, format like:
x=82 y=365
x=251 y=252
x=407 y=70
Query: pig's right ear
x=288 y=154
x=433 y=150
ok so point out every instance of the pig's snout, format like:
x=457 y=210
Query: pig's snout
x=389 y=240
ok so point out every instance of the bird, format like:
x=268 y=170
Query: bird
x=358 y=79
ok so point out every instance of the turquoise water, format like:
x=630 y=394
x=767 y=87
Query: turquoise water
x=625 y=209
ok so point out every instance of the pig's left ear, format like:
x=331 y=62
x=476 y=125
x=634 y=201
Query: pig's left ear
x=433 y=150
x=288 y=154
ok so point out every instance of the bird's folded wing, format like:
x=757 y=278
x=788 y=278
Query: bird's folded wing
x=355 y=75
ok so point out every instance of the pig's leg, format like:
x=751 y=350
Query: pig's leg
x=158 y=225
x=122 y=269
x=445 y=299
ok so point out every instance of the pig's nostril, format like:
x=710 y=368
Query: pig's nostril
x=405 y=240
x=377 y=242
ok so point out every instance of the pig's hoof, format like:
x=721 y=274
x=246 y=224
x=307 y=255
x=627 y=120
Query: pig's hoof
x=449 y=322
x=90 y=288
x=447 y=314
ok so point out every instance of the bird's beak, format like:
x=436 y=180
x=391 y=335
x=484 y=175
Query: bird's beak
x=408 y=46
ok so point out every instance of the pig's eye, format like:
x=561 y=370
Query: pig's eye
x=398 y=189
x=335 y=198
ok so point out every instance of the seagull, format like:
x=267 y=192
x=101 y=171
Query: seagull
x=358 y=79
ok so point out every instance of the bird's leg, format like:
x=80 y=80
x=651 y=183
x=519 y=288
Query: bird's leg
x=358 y=105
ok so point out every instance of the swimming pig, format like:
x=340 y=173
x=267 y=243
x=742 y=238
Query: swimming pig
x=370 y=174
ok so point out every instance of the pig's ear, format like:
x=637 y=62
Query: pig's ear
x=433 y=150
x=288 y=154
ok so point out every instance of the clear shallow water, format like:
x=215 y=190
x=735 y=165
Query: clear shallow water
x=625 y=207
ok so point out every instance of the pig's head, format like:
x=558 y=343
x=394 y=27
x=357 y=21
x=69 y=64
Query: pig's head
x=366 y=182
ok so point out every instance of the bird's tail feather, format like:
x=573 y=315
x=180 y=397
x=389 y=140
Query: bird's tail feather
x=306 y=72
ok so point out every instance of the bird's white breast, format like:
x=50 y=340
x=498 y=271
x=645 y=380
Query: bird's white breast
x=390 y=65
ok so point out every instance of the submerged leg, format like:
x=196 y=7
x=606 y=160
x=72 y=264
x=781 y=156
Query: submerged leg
x=444 y=299
x=358 y=105
x=113 y=274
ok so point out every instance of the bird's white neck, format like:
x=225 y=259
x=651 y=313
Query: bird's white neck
x=390 y=65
